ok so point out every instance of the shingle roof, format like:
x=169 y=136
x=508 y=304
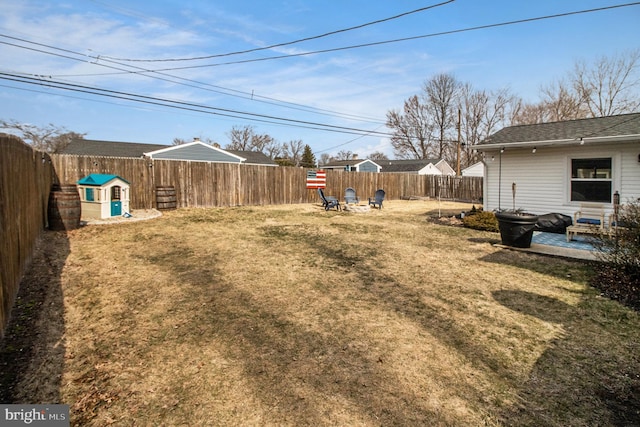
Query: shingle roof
x=88 y=147
x=411 y=165
x=624 y=124
x=253 y=157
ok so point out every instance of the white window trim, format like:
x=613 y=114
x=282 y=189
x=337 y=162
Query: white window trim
x=616 y=167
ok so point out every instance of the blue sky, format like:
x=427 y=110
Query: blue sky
x=92 y=41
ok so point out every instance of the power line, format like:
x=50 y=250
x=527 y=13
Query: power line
x=161 y=71
x=187 y=105
x=331 y=33
x=144 y=72
x=404 y=39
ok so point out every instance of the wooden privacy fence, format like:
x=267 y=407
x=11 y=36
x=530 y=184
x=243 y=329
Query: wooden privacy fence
x=26 y=177
x=205 y=184
x=25 y=182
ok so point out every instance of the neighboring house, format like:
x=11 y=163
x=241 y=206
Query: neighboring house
x=476 y=169
x=418 y=166
x=103 y=196
x=556 y=166
x=353 y=165
x=193 y=151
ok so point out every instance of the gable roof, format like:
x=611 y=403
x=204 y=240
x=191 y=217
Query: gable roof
x=623 y=127
x=99 y=179
x=352 y=162
x=197 y=151
x=411 y=165
x=88 y=147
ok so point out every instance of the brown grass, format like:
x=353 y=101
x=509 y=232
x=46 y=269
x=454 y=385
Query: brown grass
x=290 y=315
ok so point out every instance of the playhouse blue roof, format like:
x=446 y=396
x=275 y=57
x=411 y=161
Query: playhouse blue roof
x=99 y=179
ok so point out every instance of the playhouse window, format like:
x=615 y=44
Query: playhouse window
x=88 y=194
x=591 y=180
x=115 y=193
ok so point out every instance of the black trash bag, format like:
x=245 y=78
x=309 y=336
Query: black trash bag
x=553 y=223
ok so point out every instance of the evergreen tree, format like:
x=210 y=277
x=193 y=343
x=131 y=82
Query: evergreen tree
x=308 y=159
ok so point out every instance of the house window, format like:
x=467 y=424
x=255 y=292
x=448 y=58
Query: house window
x=88 y=194
x=115 y=192
x=591 y=180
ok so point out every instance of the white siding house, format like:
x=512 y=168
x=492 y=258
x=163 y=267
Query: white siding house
x=476 y=169
x=418 y=166
x=556 y=166
x=353 y=165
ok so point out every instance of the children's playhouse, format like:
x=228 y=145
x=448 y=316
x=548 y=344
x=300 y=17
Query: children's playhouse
x=103 y=196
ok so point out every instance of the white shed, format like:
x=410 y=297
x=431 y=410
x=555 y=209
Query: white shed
x=103 y=196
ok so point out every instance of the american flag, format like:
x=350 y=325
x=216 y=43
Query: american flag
x=316 y=179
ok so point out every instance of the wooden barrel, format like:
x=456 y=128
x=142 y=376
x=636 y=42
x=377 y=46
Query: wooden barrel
x=166 y=197
x=64 y=208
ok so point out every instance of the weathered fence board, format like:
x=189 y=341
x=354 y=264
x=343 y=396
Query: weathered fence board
x=203 y=184
x=25 y=183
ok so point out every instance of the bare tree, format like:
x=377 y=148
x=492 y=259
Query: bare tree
x=523 y=113
x=240 y=138
x=482 y=113
x=561 y=102
x=344 y=155
x=293 y=151
x=610 y=85
x=50 y=138
x=269 y=146
x=245 y=138
x=325 y=158
x=412 y=130
x=425 y=127
x=440 y=97
x=378 y=155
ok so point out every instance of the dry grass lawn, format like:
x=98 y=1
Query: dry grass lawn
x=291 y=316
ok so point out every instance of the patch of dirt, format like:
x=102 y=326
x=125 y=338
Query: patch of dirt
x=137 y=215
x=32 y=350
x=447 y=220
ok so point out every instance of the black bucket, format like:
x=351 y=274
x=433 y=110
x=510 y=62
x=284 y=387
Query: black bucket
x=516 y=230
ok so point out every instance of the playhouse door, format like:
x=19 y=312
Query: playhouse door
x=116 y=203
x=116 y=208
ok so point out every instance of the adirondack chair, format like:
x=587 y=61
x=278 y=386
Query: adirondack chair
x=350 y=196
x=588 y=220
x=328 y=202
x=377 y=199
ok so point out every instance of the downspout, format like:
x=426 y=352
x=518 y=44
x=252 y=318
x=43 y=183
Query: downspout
x=500 y=178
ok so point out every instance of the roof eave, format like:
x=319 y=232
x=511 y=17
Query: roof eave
x=558 y=142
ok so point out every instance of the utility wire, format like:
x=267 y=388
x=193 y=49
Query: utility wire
x=181 y=80
x=186 y=105
x=404 y=39
x=331 y=33
x=520 y=21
